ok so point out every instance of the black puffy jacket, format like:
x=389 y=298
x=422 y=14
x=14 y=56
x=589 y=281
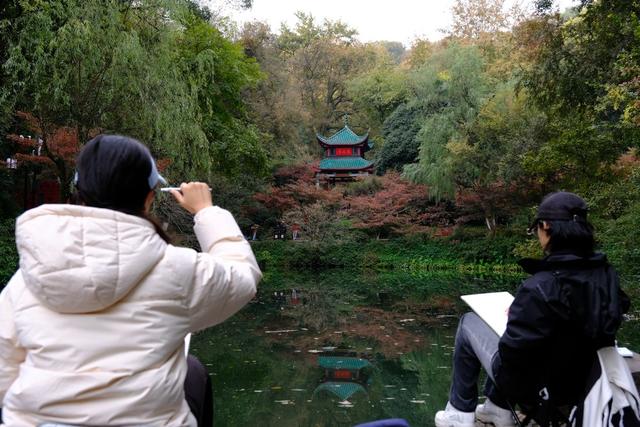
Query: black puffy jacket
x=560 y=316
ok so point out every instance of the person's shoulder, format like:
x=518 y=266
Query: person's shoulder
x=541 y=286
x=540 y=278
x=15 y=289
x=178 y=255
x=175 y=268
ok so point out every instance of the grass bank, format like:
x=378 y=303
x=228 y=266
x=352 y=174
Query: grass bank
x=465 y=253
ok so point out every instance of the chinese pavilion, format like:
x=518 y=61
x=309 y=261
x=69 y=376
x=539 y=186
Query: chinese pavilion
x=344 y=156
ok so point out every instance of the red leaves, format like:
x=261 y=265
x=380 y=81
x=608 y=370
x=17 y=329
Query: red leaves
x=63 y=143
x=387 y=205
x=58 y=143
x=30 y=121
x=163 y=163
x=276 y=199
x=295 y=186
x=392 y=209
x=33 y=160
x=294 y=173
x=50 y=149
x=24 y=142
x=486 y=202
x=627 y=163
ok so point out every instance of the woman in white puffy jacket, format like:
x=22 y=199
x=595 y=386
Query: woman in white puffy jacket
x=92 y=324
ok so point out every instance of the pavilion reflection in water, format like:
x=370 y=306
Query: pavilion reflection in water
x=344 y=375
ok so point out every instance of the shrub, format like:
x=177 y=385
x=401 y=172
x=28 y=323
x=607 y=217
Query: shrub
x=367 y=186
x=620 y=239
x=8 y=252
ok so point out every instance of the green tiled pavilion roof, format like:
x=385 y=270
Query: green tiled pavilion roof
x=343 y=390
x=350 y=363
x=344 y=136
x=344 y=163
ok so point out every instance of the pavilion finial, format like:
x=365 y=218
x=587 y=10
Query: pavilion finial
x=345 y=119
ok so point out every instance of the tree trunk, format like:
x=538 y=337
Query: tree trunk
x=491 y=224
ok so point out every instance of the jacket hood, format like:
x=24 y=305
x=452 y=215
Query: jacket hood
x=78 y=259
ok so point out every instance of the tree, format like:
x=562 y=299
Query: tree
x=378 y=92
x=322 y=59
x=145 y=69
x=451 y=88
x=490 y=164
x=420 y=51
x=584 y=75
x=75 y=71
x=318 y=221
x=395 y=50
x=295 y=187
x=218 y=73
x=392 y=210
x=480 y=19
x=399 y=131
x=58 y=154
x=275 y=103
x=308 y=68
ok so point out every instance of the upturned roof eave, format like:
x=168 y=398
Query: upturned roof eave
x=346 y=169
x=327 y=141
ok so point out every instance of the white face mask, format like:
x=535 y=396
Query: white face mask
x=154 y=176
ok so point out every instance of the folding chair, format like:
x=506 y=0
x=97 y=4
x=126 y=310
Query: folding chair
x=544 y=413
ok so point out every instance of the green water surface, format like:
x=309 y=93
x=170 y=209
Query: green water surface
x=265 y=361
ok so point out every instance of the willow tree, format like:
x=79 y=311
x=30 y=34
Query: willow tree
x=215 y=72
x=451 y=88
x=130 y=67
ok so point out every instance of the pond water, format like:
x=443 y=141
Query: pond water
x=339 y=348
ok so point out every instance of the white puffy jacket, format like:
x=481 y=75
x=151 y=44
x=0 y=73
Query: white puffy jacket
x=93 y=322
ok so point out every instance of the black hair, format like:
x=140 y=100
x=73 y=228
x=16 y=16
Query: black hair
x=112 y=173
x=570 y=236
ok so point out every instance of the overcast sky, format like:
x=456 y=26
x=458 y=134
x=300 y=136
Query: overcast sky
x=396 y=20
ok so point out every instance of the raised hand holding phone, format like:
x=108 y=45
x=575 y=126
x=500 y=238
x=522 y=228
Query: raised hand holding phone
x=193 y=196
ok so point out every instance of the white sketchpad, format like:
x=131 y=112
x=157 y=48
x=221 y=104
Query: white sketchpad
x=492 y=307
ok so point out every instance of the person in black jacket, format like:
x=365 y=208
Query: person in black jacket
x=571 y=306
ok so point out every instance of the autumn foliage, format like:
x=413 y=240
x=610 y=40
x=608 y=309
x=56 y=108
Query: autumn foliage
x=48 y=149
x=294 y=186
x=394 y=209
x=379 y=206
x=59 y=143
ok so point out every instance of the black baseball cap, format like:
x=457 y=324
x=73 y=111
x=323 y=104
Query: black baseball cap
x=561 y=206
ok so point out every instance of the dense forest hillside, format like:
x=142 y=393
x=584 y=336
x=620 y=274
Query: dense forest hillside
x=469 y=131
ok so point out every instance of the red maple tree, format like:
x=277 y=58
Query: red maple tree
x=490 y=202
x=394 y=209
x=294 y=187
x=380 y=206
x=53 y=149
